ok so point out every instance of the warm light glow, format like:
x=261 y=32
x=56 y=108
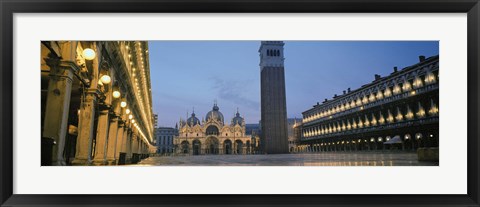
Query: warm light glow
x=123 y=104
x=430 y=78
x=106 y=79
x=359 y=102
x=406 y=86
x=116 y=94
x=379 y=95
x=387 y=92
x=100 y=82
x=133 y=120
x=419 y=136
x=366 y=123
x=127 y=111
x=390 y=117
x=417 y=83
x=421 y=112
x=433 y=108
x=396 y=89
x=374 y=120
x=365 y=100
x=89 y=54
x=399 y=115
x=130 y=116
x=409 y=114
x=372 y=98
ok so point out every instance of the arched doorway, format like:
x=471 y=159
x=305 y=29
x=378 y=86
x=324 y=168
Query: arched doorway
x=227 y=146
x=249 y=147
x=238 y=147
x=211 y=145
x=196 y=147
x=185 y=147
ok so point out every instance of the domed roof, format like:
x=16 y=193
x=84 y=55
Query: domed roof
x=237 y=119
x=215 y=114
x=192 y=121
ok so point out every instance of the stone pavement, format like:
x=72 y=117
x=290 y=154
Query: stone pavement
x=308 y=159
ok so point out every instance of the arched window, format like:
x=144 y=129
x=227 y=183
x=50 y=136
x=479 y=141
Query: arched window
x=212 y=130
x=268 y=52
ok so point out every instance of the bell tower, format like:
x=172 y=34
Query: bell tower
x=274 y=139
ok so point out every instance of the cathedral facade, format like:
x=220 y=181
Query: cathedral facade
x=211 y=135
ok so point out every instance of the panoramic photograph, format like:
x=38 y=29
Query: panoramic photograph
x=239 y=103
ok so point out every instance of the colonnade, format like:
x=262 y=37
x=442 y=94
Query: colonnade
x=85 y=113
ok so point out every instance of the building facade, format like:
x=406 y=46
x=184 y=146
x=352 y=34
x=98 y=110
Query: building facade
x=253 y=130
x=95 y=102
x=274 y=138
x=293 y=141
x=164 y=137
x=212 y=135
x=399 y=111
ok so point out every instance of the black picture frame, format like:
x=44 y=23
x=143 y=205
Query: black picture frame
x=10 y=7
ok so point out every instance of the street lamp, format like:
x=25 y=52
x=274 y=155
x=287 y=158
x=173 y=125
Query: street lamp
x=127 y=111
x=116 y=94
x=88 y=54
x=123 y=104
x=105 y=79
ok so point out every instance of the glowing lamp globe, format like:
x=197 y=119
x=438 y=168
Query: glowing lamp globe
x=127 y=111
x=130 y=117
x=123 y=104
x=133 y=120
x=106 y=79
x=116 y=94
x=89 y=54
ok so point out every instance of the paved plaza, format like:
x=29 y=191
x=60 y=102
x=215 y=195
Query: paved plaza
x=312 y=159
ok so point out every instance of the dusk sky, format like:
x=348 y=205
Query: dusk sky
x=187 y=74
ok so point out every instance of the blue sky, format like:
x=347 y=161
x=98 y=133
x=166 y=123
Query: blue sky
x=187 y=74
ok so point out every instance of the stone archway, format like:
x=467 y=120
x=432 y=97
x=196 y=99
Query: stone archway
x=184 y=147
x=227 y=147
x=238 y=149
x=211 y=145
x=196 y=147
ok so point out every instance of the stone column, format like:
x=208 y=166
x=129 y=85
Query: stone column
x=126 y=133
x=190 y=149
x=57 y=106
x=120 y=138
x=112 y=141
x=83 y=152
x=101 y=140
x=129 y=143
